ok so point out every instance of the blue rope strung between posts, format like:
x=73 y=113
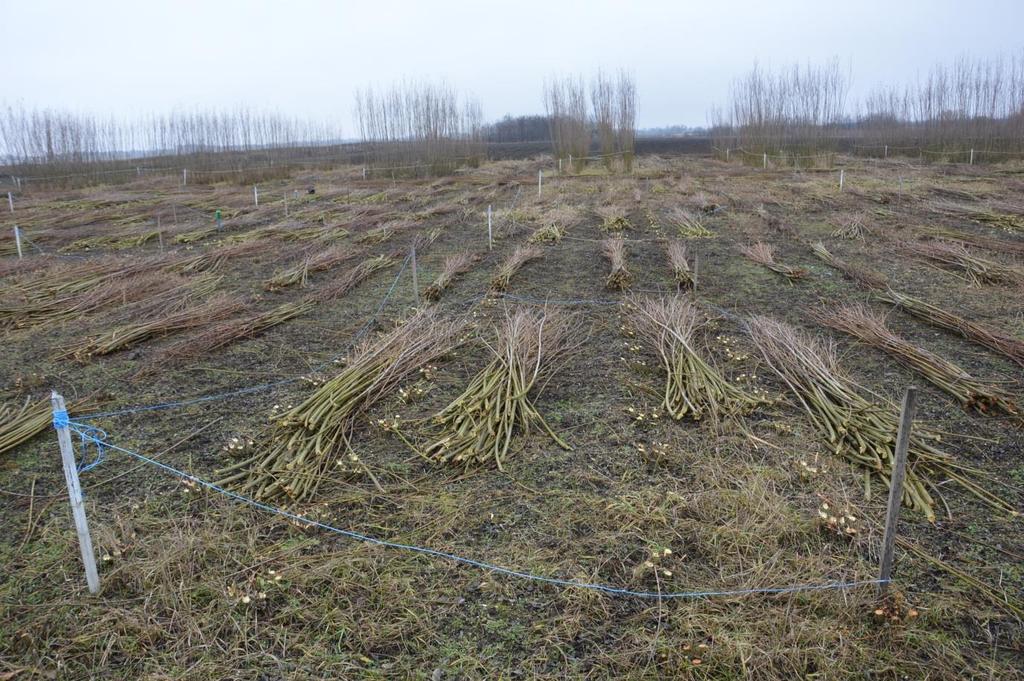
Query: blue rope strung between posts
x=87 y=433
x=255 y=388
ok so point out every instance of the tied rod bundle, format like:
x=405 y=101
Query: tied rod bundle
x=454 y=266
x=972 y=393
x=977 y=240
x=301 y=447
x=479 y=425
x=993 y=339
x=868 y=279
x=978 y=270
x=681 y=272
x=315 y=262
x=693 y=386
x=614 y=250
x=512 y=264
x=862 y=431
x=763 y=254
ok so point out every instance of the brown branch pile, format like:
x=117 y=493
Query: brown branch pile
x=454 y=266
x=614 y=250
x=512 y=264
x=862 y=431
x=953 y=255
x=693 y=386
x=480 y=424
x=318 y=261
x=869 y=327
x=763 y=254
x=305 y=444
x=993 y=339
x=681 y=271
x=868 y=279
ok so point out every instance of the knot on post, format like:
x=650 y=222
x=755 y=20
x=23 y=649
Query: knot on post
x=61 y=419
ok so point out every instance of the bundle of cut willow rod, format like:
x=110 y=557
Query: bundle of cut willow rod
x=693 y=387
x=552 y=233
x=763 y=254
x=614 y=251
x=512 y=264
x=348 y=281
x=978 y=270
x=315 y=262
x=868 y=279
x=978 y=240
x=862 y=431
x=214 y=259
x=993 y=339
x=20 y=425
x=681 y=272
x=479 y=425
x=454 y=265
x=973 y=393
x=306 y=441
x=82 y=277
x=171 y=322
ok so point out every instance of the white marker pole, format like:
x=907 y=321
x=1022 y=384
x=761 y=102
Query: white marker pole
x=540 y=181
x=842 y=176
x=255 y=195
x=726 y=155
x=570 y=163
x=138 y=171
x=10 y=201
x=765 y=160
x=490 y=236
x=886 y=151
x=17 y=240
x=184 y=177
x=364 y=172
x=67 y=455
x=559 y=167
x=971 y=162
x=415 y=278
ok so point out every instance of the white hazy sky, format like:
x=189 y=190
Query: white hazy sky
x=306 y=57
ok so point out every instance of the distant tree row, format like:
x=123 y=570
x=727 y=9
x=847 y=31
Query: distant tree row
x=609 y=111
x=518 y=129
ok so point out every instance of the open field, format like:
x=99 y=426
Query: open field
x=129 y=296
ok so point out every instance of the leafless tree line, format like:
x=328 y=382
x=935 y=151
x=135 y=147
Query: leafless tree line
x=418 y=128
x=802 y=112
x=52 y=143
x=610 y=116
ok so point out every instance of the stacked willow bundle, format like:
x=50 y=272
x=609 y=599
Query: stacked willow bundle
x=303 y=444
x=862 y=431
x=689 y=225
x=614 y=250
x=693 y=387
x=376 y=236
x=226 y=333
x=978 y=270
x=156 y=287
x=214 y=259
x=162 y=325
x=479 y=425
x=993 y=339
x=20 y=425
x=868 y=279
x=318 y=261
x=763 y=254
x=355 y=276
x=512 y=264
x=869 y=327
x=988 y=243
x=614 y=219
x=548 y=233
x=85 y=276
x=681 y=272
x=454 y=265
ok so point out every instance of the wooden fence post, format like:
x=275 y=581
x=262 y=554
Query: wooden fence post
x=899 y=469
x=67 y=454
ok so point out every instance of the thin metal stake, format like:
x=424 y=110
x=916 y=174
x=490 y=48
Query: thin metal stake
x=415 y=278
x=67 y=455
x=490 y=235
x=899 y=470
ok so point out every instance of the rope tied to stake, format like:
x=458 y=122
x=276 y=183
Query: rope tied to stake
x=89 y=435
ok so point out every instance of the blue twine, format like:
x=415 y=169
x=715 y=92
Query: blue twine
x=264 y=386
x=87 y=433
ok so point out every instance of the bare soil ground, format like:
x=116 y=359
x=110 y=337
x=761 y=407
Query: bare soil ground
x=195 y=585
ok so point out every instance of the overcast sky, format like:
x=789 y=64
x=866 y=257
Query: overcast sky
x=306 y=58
